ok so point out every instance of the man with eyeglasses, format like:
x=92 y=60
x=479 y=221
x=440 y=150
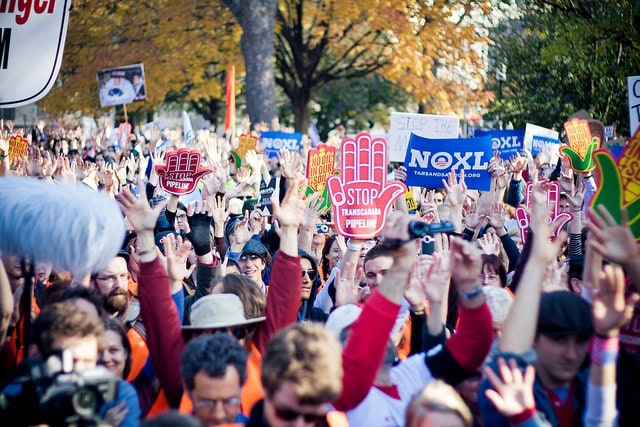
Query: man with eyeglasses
x=112 y=283
x=214 y=368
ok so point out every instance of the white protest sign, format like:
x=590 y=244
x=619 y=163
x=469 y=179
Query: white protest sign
x=424 y=125
x=531 y=131
x=633 y=82
x=32 y=35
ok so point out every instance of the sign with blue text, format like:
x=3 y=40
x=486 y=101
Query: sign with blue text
x=540 y=144
x=428 y=161
x=508 y=142
x=424 y=125
x=272 y=142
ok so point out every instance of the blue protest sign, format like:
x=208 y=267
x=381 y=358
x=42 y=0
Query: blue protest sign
x=272 y=142
x=507 y=142
x=538 y=143
x=428 y=161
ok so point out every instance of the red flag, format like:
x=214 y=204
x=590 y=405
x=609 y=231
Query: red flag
x=230 y=115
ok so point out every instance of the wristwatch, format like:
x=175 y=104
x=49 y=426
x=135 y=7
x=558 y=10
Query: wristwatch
x=472 y=293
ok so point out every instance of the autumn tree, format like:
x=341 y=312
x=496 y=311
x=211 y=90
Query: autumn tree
x=563 y=56
x=318 y=42
x=186 y=48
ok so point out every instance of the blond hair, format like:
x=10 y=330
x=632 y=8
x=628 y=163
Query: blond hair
x=438 y=396
x=310 y=358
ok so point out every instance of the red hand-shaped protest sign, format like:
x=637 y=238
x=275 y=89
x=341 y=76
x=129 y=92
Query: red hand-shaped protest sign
x=181 y=172
x=557 y=219
x=360 y=195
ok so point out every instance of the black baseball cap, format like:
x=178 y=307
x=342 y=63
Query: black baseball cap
x=564 y=313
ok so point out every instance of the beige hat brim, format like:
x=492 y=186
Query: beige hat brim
x=224 y=324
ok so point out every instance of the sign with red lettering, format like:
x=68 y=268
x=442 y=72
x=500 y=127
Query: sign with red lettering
x=582 y=144
x=181 y=172
x=32 y=35
x=17 y=148
x=320 y=166
x=619 y=185
x=556 y=218
x=360 y=195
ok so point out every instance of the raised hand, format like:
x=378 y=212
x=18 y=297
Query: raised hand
x=498 y=172
x=362 y=187
x=497 y=215
x=140 y=214
x=513 y=392
x=612 y=241
x=466 y=264
x=472 y=219
x=291 y=211
x=490 y=244
x=456 y=189
x=198 y=231
x=176 y=252
x=610 y=308
x=435 y=281
x=290 y=163
x=312 y=210
x=348 y=290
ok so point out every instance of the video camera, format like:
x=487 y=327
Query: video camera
x=49 y=392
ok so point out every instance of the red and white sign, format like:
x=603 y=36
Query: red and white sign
x=556 y=218
x=360 y=195
x=32 y=35
x=181 y=172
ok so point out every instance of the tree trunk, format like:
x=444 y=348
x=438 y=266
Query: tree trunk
x=300 y=107
x=258 y=20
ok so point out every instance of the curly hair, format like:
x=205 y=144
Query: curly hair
x=437 y=396
x=63 y=320
x=310 y=358
x=212 y=354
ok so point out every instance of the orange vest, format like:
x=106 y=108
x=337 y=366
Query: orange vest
x=139 y=352
x=251 y=391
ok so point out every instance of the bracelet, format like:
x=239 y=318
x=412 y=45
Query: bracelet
x=472 y=293
x=354 y=247
x=604 y=350
x=420 y=311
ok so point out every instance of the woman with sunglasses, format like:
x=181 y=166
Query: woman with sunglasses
x=310 y=283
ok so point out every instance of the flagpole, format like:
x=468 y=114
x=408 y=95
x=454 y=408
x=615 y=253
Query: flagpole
x=124 y=106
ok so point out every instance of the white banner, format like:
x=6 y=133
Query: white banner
x=633 y=82
x=32 y=35
x=424 y=125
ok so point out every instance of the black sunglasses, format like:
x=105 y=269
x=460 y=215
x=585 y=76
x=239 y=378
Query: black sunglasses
x=290 y=415
x=311 y=273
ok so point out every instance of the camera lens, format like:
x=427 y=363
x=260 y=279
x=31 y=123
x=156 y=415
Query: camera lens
x=84 y=402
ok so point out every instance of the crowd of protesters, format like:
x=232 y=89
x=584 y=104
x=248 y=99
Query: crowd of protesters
x=219 y=311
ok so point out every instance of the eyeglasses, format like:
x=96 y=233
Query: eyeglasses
x=228 y=404
x=311 y=273
x=244 y=197
x=287 y=414
x=114 y=277
x=181 y=217
x=489 y=277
